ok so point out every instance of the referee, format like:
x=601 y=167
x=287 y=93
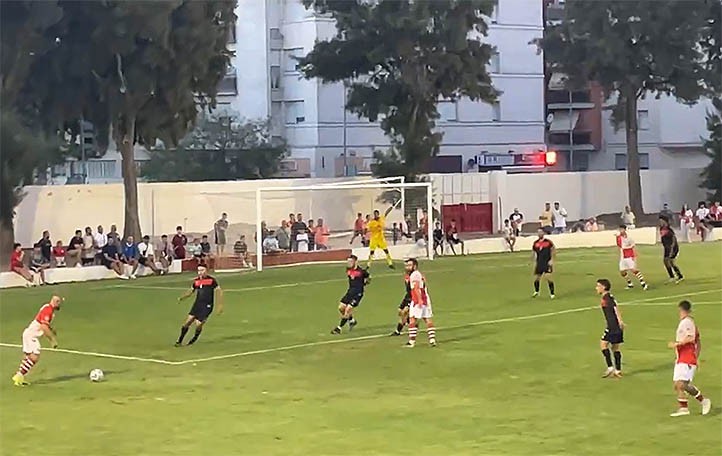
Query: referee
x=205 y=288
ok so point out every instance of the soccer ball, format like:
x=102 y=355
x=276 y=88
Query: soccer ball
x=96 y=375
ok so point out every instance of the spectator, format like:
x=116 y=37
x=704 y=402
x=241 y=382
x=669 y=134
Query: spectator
x=265 y=232
x=438 y=239
x=395 y=233
x=311 y=236
x=302 y=240
x=111 y=258
x=240 y=249
x=164 y=253
x=38 y=264
x=296 y=228
x=205 y=248
x=219 y=229
x=283 y=236
x=291 y=222
x=18 y=266
x=179 y=243
x=628 y=218
x=715 y=212
x=321 y=235
x=559 y=216
x=194 y=249
x=516 y=219
x=358 y=228
x=509 y=234
x=408 y=228
x=424 y=223
x=270 y=244
x=580 y=225
x=100 y=239
x=75 y=248
x=452 y=237
x=88 y=247
x=367 y=233
x=46 y=246
x=114 y=237
x=686 y=222
x=146 y=256
x=666 y=212
x=701 y=218
x=545 y=218
x=131 y=255
x=591 y=225
x=59 y=255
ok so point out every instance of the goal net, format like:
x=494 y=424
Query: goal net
x=321 y=223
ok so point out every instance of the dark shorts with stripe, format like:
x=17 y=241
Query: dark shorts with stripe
x=671 y=252
x=543 y=268
x=201 y=311
x=613 y=337
x=352 y=298
x=405 y=303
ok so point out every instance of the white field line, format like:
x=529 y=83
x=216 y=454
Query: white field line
x=640 y=302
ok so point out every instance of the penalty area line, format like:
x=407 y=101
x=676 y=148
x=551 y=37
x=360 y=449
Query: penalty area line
x=99 y=355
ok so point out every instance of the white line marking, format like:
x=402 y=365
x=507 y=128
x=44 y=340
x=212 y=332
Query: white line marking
x=640 y=302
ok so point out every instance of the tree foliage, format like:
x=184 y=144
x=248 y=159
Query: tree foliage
x=218 y=148
x=632 y=49
x=712 y=175
x=399 y=58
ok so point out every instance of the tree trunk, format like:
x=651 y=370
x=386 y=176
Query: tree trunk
x=124 y=141
x=7 y=237
x=634 y=181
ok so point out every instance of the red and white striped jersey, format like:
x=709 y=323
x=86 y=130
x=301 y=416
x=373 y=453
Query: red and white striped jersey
x=419 y=292
x=44 y=317
x=687 y=353
x=626 y=246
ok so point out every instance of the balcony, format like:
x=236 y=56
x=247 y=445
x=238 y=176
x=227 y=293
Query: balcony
x=276 y=39
x=276 y=94
x=228 y=85
x=558 y=140
x=559 y=99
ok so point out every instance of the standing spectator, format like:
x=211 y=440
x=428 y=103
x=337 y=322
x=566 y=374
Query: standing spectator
x=114 y=237
x=219 y=229
x=291 y=222
x=311 y=236
x=38 y=264
x=111 y=258
x=628 y=218
x=205 y=248
x=146 y=255
x=296 y=229
x=302 y=240
x=559 y=216
x=179 y=243
x=424 y=224
x=18 y=266
x=88 y=247
x=59 y=255
x=395 y=233
x=667 y=213
x=545 y=218
x=240 y=249
x=46 y=245
x=358 y=228
x=131 y=255
x=75 y=248
x=686 y=222
x=516 y=219
x=100 y=239
x=438 y=239
x=509 y=234
x=265 y=232
x=701 y=219
x=164 y=253
x=367 y=235
x=408 y=228
x=321 y=235
x=283 y=236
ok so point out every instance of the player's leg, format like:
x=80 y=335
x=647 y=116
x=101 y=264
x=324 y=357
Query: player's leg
x=403 y=319
x=537 y=283
x=413 y=331
x=184 y=329
x=372 y=250
x=28 y=362
x=199 y=330
x=389 y=260
x=430 y=331
x=625 y=276
x=463 y=249
x=604 y=346
x=667 y=261
x=343 y=310
x=617 y=352
x=673 y=264
x=549 y=277
x=638 y=274
x=679 y=388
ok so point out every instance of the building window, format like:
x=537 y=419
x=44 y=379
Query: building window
x=495 y=63
x=496 y=112
x=292 y=56
x=101 y=169
x=643 y=120
x=232 y=34
x=495 y=13
x=447 y=110
x=620 y=161
x=275 y=77
x=295 y=112
x=275 y=34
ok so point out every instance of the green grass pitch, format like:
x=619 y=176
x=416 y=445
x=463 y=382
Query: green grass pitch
x=511 y=375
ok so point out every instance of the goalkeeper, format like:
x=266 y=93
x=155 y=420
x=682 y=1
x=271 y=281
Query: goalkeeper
x=376 y=228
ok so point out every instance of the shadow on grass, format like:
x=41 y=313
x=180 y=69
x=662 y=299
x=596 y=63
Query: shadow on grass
x=662 y=367
x=71 y=377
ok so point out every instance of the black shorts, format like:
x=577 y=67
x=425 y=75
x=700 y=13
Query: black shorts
x=142 y=261
x=352 y=298
x=543 y=268
x=201 y=311
x=452 y=240
x=107 y=263
x=671 y=253
x=613 y=337
x=87 y=261
x=405 y=303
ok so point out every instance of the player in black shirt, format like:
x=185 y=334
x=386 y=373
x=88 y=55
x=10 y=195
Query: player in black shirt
x=438 y=239
x=358 y=278
x=205 y=288
x=544 y=253
x=614 y=332
x=404 y=307
x=671 y=250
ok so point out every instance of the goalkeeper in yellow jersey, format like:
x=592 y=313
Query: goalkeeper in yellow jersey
x=376 y=228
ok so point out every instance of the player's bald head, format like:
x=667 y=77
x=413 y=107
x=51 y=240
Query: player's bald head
x=55 y=301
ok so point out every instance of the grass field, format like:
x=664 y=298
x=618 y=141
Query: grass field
x=511 y=375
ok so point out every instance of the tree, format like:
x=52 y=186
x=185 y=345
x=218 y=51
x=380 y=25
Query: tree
x=138 y=69
x=399 y=58
x=712 y=174
x=218 y=148
x=631 y=49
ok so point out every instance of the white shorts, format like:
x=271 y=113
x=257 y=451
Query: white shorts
x=31 y=344
x=420 y=312
x=626 y=264
x=684 y=372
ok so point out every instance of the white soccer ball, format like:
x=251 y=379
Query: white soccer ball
x=96 y=375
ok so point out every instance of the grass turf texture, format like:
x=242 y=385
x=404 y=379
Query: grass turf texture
x=518 y=387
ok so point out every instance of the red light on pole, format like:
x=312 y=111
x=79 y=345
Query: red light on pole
x=550 y=158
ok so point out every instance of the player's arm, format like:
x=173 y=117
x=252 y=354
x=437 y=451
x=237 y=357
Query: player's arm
x=388 y=211
x=186 y=295
x=554 y=254
x=49 y=332
x=618 y=313
x=219 y=295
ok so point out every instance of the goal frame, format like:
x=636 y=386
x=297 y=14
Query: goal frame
x=429 y=207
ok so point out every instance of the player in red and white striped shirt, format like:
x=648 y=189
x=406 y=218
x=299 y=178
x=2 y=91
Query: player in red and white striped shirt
x=628 y=258
x=420 y=308
x=687 y=345
x=40 y=326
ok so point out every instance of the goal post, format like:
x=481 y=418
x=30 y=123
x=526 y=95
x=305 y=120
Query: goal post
x=338 y=205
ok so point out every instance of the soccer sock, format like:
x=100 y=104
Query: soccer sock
x=343 y=322
x=399 y=327
x=678 y=272
x=551 y=288
x=682 y=403
x=389 y=260
x=640 y=277
x=413 y=331
x=618 y=360
x=25 y=366
x=607 y=357
x=536 y=286
x=699 y=396
x=371 y=258
x=352 y=320
x=431 y=332
x=195 y=336
x=670 y=273
x=183 y=332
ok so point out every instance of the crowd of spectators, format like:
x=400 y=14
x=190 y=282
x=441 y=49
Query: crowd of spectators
x=295 y=235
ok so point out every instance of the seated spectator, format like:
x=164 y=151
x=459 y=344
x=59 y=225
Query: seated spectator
x=111 y=260
x=628 y=218
x=46 y=246
x=130 y=256
x=18 y=267
x=438 y=236
x=311 y=235
x=321 y=235
x=578 y=226
x=240 y=249
x=59 y=255
x=75 y=248
x=38 y=264
x=270 y=245
x=509 y=234
x=591 y=225
x=164 y=253
x=146 y=257
x=205 y=248
x=700 y=218
x=715 y=212
x=283 y=235
x=194 y=249
x=114 y=237
x=179 y=243
x=88 y=256
x=100 y=239
x=516 y=219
